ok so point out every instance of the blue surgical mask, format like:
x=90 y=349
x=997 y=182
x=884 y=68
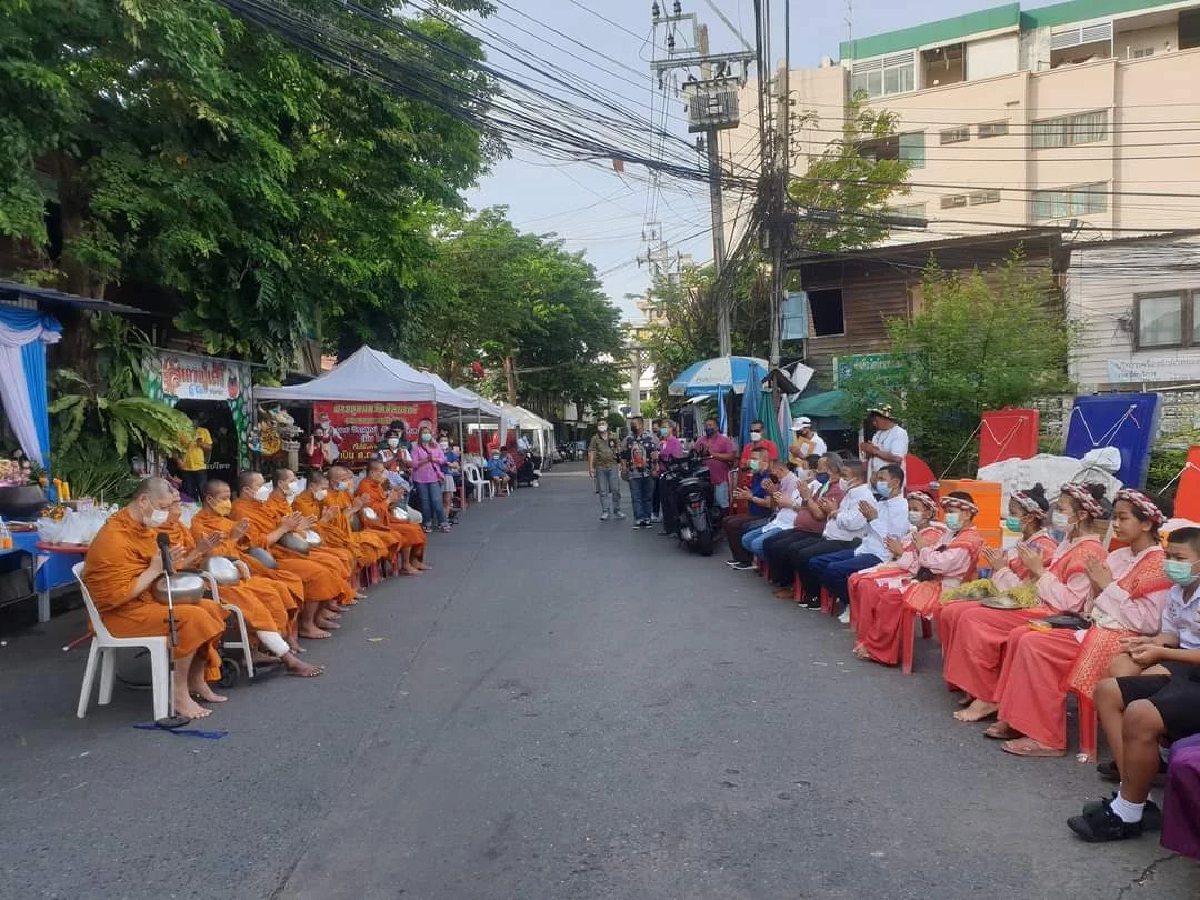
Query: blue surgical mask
x=822 y=477
x=1180 y=572
x=754 y=465
x=954 y=520
x=1012 y=523
x=914 y=517
x=883 y=490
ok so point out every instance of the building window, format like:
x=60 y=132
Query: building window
x=886 y=75
x=1142 y=53
x=1167 y=319
x=909 y=148
x=993 y=129
x=955 y=135
x=953 y=201
x=978 y=198
x=1070 y=202
x=909 y=211
x=827 y=313
x=1067 y=131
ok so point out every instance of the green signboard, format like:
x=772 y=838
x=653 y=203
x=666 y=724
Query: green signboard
x=878 y=363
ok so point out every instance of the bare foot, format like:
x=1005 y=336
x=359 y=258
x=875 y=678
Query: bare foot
x=411 y=570
x=263 y=659
x=423 y=567
x=301 y=669
x=203 y=692
x=188 y=708
x=977 y=711
x=314 y=634
x=327 y=624
x=966 y=700
x=1002 y=731
x=861 y=652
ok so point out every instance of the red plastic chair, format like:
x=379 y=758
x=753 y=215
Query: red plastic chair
x=828 y=602
x=907 y=630
x=1089 y=730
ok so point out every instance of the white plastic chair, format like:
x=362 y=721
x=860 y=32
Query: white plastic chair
x=103 y=654
x=243 y=643
x=478 y=482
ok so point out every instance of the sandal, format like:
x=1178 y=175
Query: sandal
x=1029 y=747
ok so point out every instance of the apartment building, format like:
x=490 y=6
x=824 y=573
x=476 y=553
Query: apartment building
x=1084 y=111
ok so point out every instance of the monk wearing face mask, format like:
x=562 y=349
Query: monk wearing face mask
x=376 y=545
x=375 y=486
x=310 y=502
x=267 y=527
x=122 y=564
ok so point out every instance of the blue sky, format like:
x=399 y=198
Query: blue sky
x=589 y=205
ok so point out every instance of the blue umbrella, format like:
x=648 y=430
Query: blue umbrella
x=750 y=399
x=709 y=376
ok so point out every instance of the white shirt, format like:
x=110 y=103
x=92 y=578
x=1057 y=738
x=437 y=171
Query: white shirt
x=893 y=441
x=850 y=524
x=892 y=521
x=815 y=444
x=1182 y=617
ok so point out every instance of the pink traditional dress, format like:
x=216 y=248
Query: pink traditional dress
x=886 y=579
x=977 y=653
x=882 y=637
x=1014 y=574
x=1042 y=666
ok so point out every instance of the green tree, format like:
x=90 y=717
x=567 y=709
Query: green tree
x=983 y=340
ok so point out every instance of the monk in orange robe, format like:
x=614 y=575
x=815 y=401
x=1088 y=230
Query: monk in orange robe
x=380 y=499
x=285 y=490
x=213 y=519
x=262 y=607
x=388 y=545
x=122 y=564
x=310 y=502
x=321 y=583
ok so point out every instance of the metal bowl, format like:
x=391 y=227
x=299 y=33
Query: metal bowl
x=400 y=514
x=223 y=570
x=186 y=587
x=369 y=514
x=314 y=539
x=295 y=543
x=262 y=557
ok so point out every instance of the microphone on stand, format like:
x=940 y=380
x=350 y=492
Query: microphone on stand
x=173 y=719
x=164 y=547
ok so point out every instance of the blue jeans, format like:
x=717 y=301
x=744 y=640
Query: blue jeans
x=833 y=570
x=754 y=539
x=432 y=510
x=641 y=495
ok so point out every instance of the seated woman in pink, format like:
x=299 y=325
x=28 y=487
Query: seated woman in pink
x=1131 y=591
x=888 y=578
x=943 y=566
x=981 y=634
x=1027 y=513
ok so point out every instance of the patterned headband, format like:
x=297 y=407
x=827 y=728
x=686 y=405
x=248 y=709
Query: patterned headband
x=1028 y=504
x=960 y=504
x=1142 y=504
x=924 y=499
x=1084 y=498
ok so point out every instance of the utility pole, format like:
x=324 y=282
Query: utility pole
x=712 y=107
x=779 y=223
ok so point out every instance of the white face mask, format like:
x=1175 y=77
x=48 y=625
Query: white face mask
x=1061 y=520
x=320 y=494
x=343 y=485
x=954 y=520
x=844 y=484
x=158 y=518
x=756 y=436
x=445 y=445
x=263 y=494
x=602 y=428
x=393 y=443
x=914 y=517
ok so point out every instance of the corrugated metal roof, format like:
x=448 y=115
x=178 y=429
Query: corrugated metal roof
x=13 y=291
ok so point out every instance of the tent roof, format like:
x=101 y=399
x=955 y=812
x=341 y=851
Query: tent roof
x=827 y=404
x=370 y=375
x=525 y=419
x=487 y=407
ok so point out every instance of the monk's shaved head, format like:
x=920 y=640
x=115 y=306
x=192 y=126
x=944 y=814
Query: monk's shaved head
x=283 y=475
x=375 y=465
x=247 y=479
x=337 y=473
x=159 y=490
x=214 y=485
x=316 y=477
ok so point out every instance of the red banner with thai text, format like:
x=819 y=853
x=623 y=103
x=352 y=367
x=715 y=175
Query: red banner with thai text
x=363 y=425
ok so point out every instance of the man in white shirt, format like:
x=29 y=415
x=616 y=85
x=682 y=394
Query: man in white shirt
x=887 y=519
x=889 y=443
x=810 y=442
x=844 y=530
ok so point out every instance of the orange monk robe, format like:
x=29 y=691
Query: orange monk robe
x=287 y=585
x=262 y=609
x=331 y=538
x=376 y=546
x=341 y=561
x=322 y=583
x=377 y=499
x=116 y=558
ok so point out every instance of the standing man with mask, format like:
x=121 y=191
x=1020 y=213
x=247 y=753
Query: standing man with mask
x=889 y=443
x=603 y=466
x=719 y=454
x=637 y=462
x=758 y=442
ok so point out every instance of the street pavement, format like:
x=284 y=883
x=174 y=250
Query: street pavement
x=564 y=709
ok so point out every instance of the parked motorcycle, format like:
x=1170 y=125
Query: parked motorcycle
x=686 y=496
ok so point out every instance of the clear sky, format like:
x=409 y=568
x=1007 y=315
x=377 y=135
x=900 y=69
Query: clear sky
x=601 y=212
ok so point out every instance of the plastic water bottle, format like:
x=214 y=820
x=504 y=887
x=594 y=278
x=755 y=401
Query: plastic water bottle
x=6 y=541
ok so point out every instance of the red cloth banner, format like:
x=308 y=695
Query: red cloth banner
x=1008 y=434
x=362 y=425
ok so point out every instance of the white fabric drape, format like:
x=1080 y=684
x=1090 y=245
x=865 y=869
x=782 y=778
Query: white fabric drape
x=19 y=337
x=14 y=394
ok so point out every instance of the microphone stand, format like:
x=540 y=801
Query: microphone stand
x=172 y=720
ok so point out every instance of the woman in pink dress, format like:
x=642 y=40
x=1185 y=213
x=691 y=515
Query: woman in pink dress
x=981 y=634
x=1027 y=513
x=1131 y=589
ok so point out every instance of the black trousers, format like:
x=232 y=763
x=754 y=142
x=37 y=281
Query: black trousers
x=193 y=483
x=776 y=551
x=800 y=556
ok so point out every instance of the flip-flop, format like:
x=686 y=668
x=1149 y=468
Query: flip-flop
x=1029 y=747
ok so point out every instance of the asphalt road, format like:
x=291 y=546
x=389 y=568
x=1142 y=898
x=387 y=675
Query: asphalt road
x=565 y=709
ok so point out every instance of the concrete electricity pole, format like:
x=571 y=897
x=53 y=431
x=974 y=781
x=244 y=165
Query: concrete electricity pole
x=712 y=107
